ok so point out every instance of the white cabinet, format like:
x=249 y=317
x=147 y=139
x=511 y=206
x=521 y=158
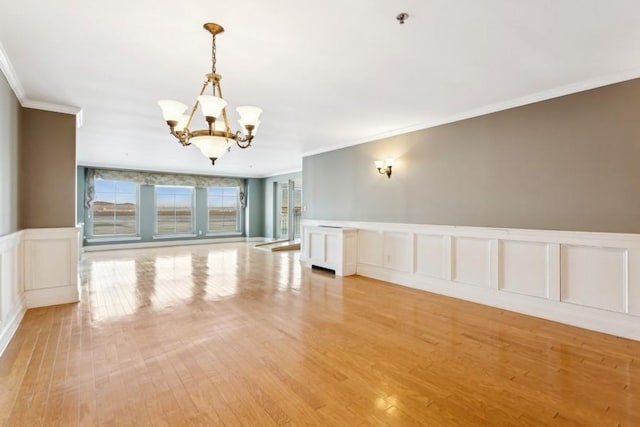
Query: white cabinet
x=331 y=247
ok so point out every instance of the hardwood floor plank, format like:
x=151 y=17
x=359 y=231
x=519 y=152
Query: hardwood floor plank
x=227 y=335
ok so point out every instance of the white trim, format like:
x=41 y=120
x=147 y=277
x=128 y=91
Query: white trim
x=10 y=73
x=588 y=238
x=142 y=245
x=587 y=287
x=12 y=304
x=51 y=296
x=47 y=106
x=113 y=239
x=576 y=315
x=492 y=108
x=50 y=266
x=9 y=329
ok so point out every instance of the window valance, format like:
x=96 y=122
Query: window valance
x=158 y=178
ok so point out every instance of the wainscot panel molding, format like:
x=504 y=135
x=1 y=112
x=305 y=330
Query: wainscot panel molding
x=51 y=266
x=330 y=247
x=589 y=280
x=12 y=303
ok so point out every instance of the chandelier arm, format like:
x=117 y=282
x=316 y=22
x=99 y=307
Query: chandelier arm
x=182 y=136
x=224 y=110
x=195 y=106
x=240 y=140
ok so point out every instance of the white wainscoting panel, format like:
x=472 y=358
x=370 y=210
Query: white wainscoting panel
x=52 y=259
x=633 y=278
x=398 y=251
x=472 y=261
x=595 y=277
x=330 y=247
x=524 y=268
x=12 y=305
x=590 y=280
x=316 y=246
x=430 y=255
x=51 y=266
x=370 y=247
x=333 y=248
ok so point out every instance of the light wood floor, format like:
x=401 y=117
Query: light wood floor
x=229 y=335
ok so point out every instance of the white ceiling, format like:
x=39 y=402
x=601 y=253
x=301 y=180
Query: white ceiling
x=327 y=74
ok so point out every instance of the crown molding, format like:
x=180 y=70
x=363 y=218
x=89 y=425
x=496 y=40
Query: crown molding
x=47 y=106
x=493 y=108
x=10 y=73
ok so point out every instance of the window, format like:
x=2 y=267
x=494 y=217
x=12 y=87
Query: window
x=223 y=205
x=174 y=210
x=115 y=208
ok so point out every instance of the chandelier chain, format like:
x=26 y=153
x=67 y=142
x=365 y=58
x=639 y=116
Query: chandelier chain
x=213 y=55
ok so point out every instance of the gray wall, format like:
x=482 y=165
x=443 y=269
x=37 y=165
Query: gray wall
x=569 y=163
x=254 y=226
x=47 y=169
x=270 y=216
x=9 y=136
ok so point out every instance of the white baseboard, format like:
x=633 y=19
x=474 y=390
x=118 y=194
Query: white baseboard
x=10 y=325
x=589 y=280
x=12 y=305
x=51 y=296
x=167 y=243
x=584 y=317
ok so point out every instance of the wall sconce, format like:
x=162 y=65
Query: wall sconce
x=384 y=167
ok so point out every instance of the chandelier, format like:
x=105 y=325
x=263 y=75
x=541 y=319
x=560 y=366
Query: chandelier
x=217 y=138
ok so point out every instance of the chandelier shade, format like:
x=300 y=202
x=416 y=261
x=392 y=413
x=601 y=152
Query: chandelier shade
x=212 y=147
x=172 y=110
x=212 y=106
x=217 y=138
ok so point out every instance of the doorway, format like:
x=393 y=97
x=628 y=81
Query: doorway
x=289 y=210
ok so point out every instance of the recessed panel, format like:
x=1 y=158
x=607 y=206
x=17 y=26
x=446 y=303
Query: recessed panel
x=430 y=255
x=524 y=268
x=50 y=263
x=334 y=251
x=594 y=277
x=472 y=261
x=398 y=251
x=370 y=247
x=316 y=246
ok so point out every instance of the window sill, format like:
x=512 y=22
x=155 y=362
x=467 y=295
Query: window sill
x=224 y=234
x=113 y=239
x=173 y=236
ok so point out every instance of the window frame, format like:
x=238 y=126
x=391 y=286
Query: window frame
x=116 y=236
x=238 y=207
x=156 y=233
